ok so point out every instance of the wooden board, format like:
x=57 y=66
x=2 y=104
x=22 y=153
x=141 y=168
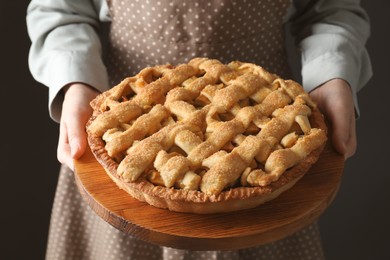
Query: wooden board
x=291 y=211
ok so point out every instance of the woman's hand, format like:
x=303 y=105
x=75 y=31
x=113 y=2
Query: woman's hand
x=75 y=113
x=334 y=99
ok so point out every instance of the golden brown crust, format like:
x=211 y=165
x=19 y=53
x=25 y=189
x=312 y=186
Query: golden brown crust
x=281 y=105
x=198 y=202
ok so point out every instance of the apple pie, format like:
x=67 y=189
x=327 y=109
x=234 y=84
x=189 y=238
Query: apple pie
x=206 y=137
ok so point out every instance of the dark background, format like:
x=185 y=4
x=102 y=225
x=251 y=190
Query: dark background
x=355 y=226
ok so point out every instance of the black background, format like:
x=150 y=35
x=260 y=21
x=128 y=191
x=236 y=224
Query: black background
x=355 y=226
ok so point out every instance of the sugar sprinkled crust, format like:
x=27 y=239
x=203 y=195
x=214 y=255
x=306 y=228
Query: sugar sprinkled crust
x=206 y=137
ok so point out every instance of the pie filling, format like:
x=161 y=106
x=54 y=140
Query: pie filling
x=205 y=126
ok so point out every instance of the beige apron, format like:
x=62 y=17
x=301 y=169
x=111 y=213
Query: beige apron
x=149 y=32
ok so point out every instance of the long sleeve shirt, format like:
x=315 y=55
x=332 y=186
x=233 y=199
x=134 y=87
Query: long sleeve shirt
x=67 y=46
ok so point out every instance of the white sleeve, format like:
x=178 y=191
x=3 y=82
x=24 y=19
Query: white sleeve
x=65 y=46
x=331 y=36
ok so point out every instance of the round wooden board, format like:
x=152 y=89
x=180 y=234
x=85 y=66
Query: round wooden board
x=276 y=219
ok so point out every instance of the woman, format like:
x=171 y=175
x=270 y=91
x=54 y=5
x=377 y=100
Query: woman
x=76 y=57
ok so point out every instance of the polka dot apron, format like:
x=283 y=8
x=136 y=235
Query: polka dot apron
x=149 y=32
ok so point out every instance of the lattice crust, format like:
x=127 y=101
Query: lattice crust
x=205 y=126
